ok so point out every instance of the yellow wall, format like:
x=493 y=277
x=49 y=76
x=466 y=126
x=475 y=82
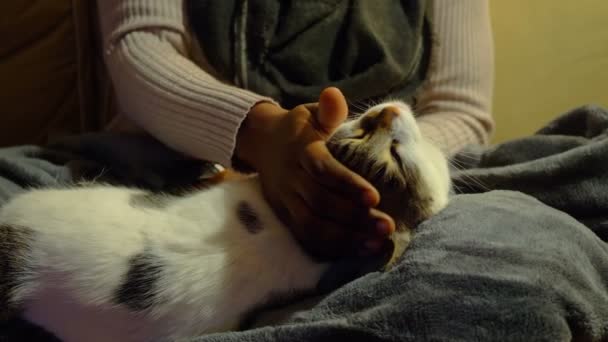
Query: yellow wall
x=551 y=56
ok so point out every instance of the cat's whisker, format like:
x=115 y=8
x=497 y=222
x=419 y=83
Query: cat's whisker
x=457 y=188
x=356 y=115
x=357 y=105
x=466 y=155
x=471 y=180
x=482 y=186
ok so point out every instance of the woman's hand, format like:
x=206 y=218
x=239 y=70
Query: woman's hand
x=328 y=207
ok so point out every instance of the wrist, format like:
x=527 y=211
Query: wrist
x=253 y=137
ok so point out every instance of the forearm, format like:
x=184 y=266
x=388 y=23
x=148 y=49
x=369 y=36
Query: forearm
x=452 y=131
x=162 y=90
x=455 y=105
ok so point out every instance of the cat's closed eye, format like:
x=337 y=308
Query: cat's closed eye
x=394 y=153
x=367 y=123
x=385 y=146
x=358 y=134
x=393 y=183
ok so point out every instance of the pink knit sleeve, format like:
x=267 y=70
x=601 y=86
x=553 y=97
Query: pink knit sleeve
x=160 y=88
x=455 y=105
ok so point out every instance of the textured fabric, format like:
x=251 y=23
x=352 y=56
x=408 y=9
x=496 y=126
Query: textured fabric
x=164 y=83
x=292 y=50
x=564 y=165
x=122 y=159
x=499 y=266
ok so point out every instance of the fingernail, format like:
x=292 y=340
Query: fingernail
x=368 y=198
x=383 y=227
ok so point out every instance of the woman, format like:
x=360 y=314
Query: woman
x=166 y=83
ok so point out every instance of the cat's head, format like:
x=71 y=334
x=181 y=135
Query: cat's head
x=385 y=146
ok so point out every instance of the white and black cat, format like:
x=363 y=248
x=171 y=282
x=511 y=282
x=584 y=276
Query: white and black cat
x=105 y=263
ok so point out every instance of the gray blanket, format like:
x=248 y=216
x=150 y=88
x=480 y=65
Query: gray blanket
x=517 y=256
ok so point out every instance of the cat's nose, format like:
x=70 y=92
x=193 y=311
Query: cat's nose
x=387 y=115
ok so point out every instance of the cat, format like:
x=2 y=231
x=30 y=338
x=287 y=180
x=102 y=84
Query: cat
x=108 y=263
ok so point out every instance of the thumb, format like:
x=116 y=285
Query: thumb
x=333 y=109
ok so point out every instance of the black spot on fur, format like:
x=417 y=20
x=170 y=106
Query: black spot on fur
x=150 y=200
x=13 y=249
x=249 y=218
x=140 y=287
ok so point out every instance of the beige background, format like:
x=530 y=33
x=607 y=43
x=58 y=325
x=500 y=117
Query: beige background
x=551 y=56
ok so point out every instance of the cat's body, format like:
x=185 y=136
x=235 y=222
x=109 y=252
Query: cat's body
x=219 y=249
x=102 y=263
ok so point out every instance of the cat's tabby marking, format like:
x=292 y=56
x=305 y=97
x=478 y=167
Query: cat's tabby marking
x=103 y=263
x=249 y=218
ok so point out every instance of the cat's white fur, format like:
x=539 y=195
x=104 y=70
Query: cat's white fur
x=217 y=269
x=214 y=270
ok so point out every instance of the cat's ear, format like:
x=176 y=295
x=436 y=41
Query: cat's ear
x=333 y=109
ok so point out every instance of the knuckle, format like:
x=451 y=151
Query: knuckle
x=318 y=201
x=322 y=229
x=300 y=112
x=317 y=166
x=305 y=220
x=298 y=219
x=344 y=206
x=295 y=212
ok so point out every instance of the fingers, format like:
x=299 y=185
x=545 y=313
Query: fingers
x=325 y=169
x=318 y=236
x=385 y=225
x=341 y=209
x=332 y=110
x=374 y=241
x=328 y=207
x=324 y=238
x=329 y=204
